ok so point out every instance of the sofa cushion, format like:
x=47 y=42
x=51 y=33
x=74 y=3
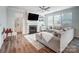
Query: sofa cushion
x=47 y=36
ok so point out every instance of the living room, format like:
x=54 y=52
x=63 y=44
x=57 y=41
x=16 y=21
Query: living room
x=30 y=22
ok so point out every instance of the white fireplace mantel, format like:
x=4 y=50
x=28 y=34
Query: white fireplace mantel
x=35 y=23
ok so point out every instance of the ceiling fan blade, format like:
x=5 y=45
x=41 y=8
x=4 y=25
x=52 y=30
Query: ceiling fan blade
x=47 y=8
x=44 y=8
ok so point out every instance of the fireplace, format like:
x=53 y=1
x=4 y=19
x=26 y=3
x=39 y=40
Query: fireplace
x=32 y=29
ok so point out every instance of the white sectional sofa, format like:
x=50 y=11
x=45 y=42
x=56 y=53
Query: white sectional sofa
x=66 y=38
x=49 y=40
x=58 y=44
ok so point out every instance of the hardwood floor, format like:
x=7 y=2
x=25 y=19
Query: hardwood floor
x=19 y=44
x=73 y=47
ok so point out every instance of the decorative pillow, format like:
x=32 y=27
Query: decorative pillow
x=67 y=28
x=47 y=36
x=57 y=27
x=57 y=34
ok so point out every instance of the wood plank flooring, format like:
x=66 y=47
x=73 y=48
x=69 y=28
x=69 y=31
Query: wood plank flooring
x=19 y=44
x=73 y=46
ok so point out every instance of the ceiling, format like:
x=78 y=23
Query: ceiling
x=37 y=10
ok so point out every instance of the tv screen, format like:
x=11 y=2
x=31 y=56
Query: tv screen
x=33 y=17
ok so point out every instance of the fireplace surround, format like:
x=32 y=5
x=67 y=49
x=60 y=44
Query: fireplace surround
x=32 y=29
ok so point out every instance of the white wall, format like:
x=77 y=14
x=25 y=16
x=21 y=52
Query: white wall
x=3 y=21
x=13 y=14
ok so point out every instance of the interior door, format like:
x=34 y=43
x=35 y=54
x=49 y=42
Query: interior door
x=18 y=25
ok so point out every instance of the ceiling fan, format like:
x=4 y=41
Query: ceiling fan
x=44 y=8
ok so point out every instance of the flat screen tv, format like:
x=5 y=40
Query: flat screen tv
x=33 y=17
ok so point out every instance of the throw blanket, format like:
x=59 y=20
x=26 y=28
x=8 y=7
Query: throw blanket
x=47 y=36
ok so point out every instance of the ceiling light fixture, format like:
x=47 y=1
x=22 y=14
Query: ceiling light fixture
x=44 y=8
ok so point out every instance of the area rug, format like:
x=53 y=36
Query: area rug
x=32 y=39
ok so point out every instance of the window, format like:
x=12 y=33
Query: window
x=50 y=21
x=57 y=20
x=67 y=19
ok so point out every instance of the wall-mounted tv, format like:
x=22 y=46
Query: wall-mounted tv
x=33 y=17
